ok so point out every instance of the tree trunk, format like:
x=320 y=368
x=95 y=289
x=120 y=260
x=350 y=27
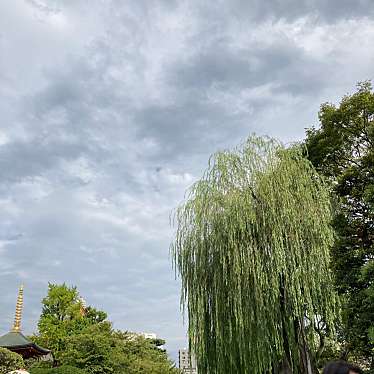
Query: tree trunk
x=285 y=367
x=307 y=365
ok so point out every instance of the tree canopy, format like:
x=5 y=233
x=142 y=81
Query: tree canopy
x=63 y=316
x=81 y=338
x=99 y=349
x=252 y=249
x=342 y=149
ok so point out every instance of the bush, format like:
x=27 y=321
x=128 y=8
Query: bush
x=9 y=361
x=35 y=363
x=59 y=370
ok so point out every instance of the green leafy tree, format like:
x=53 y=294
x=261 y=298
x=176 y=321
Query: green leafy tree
x=99 y=349
x=81 y=337
x=371 y=335
x=63 y=315
x=342 y=149
x=252 y=249
x=9 y=361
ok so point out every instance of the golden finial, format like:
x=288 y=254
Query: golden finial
x=19 y=307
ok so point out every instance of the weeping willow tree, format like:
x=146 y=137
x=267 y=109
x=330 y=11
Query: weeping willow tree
x=252 y=249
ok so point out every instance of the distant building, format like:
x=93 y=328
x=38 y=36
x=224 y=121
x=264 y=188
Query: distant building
x=186 y=362
x=145 y=335
x=148 y=335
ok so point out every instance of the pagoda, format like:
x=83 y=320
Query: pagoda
x=15 y=341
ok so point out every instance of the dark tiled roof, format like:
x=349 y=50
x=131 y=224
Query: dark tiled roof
x=16 y=340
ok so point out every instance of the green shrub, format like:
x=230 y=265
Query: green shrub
x=9 y=361
x=34 y=363
x=59 y=370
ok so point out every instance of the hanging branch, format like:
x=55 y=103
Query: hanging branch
x=252 y=249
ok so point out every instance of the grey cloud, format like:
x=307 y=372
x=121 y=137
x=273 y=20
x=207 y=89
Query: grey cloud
x=179 y=126
x=325 y=11
x=282 y=62
x=116 y=115
x=34 y=158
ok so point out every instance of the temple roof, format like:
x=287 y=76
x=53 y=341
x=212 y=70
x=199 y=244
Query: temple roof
x=12 y=339
x=17 y=342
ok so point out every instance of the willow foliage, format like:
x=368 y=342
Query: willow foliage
x=252 y=249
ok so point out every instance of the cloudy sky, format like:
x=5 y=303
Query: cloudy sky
x=110 y=110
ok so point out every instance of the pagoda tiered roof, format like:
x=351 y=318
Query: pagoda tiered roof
x=15 y=341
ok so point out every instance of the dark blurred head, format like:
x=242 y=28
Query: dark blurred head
x=341 y=367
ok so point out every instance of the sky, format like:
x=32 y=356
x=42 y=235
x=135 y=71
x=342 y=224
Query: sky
x=110 y=111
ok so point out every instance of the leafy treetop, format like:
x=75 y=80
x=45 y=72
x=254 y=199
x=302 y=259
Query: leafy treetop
x=252 y=248
x=342 y=149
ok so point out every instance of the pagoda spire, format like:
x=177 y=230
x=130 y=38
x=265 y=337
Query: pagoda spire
x=18 y=315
